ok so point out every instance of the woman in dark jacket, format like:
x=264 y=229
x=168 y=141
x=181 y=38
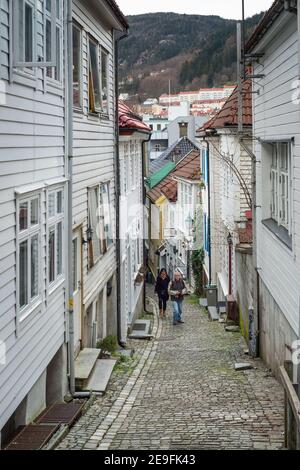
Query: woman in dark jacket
x=161 y=289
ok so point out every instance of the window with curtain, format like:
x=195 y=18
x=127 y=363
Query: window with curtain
x=99 y=222
x=104 y=80
x=77 y=75
x=55 y=235
x=281 y=185
x=29 y=239
x=94 y=77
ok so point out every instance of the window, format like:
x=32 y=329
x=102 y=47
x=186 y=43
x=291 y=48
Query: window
x=29 y=233
x=183 y=129
x=104 y=80
x=28 y=51
x=280 y=177
x=77 y=80
x=55 y=235
x=100 y=226
x=98 y=78
x=94 y=78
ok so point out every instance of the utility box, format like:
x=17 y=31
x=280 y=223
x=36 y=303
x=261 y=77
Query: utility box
x=212 y=296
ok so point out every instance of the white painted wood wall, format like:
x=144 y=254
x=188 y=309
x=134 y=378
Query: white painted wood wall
x=31 y=153
x=277 y=117
x=94 y=150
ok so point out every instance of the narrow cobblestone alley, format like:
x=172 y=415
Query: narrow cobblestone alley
x=185 y=394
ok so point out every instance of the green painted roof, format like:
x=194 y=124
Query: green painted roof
x=156 y=178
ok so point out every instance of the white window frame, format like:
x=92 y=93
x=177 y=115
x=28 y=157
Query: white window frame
x=80 y=74
x=39 y=61
x=104 y=52
x=278 y=175
x=22 y=236
x=53 y=222
x=101 y=236
x=58 y=51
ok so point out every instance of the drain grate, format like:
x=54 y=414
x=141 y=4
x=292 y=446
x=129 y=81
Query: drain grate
x=61 y=413
x=139 y=327
x=32 y=437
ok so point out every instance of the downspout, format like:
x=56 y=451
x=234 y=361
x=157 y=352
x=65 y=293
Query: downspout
x=209 y=211
x=298 y=8
x=69 y=145
x=144 y=203
x=118 y=191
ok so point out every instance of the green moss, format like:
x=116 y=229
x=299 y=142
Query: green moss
x=244 y=328
x=193 y=299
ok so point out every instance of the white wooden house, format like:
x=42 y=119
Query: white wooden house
x=133 y=135
x=94 y=170
x=276 y=128
x=227 y=203
x=34 y=154
x=32 y=212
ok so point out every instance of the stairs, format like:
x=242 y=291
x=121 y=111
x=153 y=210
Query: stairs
x=213 y=314
x=91 y=373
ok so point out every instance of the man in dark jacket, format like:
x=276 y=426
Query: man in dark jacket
x=177 y=290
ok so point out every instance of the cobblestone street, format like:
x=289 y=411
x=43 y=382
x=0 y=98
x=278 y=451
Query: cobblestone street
x=182 y=392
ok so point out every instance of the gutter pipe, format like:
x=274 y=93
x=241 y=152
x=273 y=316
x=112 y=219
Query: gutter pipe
x=209 y=210
x=69 y=145
x=144 y=204
x=118 y=191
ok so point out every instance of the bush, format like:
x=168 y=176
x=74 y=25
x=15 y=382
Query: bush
x=108 y=344
x=197 y=265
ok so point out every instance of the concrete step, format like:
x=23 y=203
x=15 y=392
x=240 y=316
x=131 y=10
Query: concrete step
x=84 y=366
x=100 y=376
x=140 y=328
x=213 y=314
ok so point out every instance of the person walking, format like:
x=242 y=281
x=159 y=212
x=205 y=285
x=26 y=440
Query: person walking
x=177 y=290
x=161 y=289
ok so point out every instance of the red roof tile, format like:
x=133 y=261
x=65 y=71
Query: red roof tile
x=129 y=121
x=228 y=115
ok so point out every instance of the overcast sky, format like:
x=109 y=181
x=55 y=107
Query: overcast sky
x=226 y=9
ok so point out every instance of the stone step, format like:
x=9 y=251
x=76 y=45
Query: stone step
x=213 y=314
x=84 y=366
x=100 y=376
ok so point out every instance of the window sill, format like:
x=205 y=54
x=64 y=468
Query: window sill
x=101 y=257
x=55 y=285
x=280 y=232
x=28 y=312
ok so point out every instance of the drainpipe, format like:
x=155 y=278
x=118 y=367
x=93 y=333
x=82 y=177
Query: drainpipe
x=298 y=7
x=144 y=203
x=69 y=145
x=118 y=189
x=209 y=210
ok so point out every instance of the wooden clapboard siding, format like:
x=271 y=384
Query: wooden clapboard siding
x=275 y=117
x=32 y=150
x=93 y=147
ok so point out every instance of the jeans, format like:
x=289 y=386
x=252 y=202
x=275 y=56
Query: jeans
x=177 y=310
